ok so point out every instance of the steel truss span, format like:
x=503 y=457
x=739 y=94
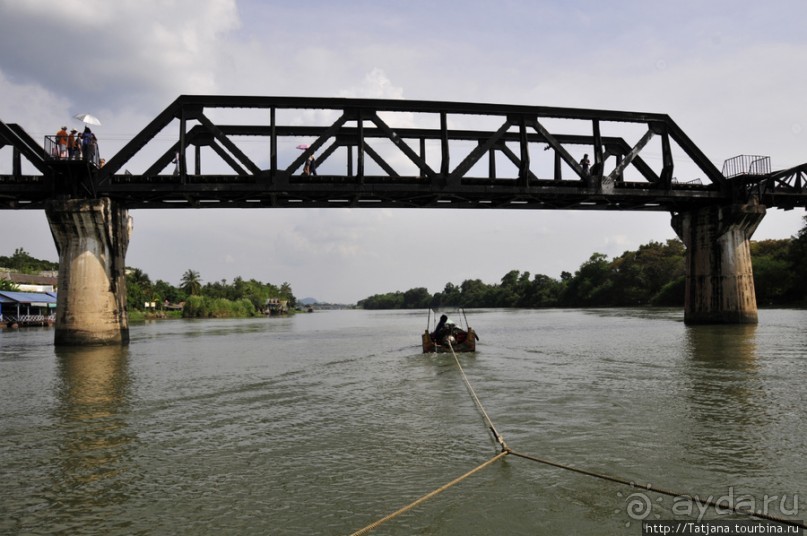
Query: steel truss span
x=252 y=152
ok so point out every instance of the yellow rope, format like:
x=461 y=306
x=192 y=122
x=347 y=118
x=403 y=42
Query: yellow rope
x=506 y=450
x=488 y=420
x=428 y=496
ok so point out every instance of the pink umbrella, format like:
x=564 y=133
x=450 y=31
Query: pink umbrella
x=303 y=146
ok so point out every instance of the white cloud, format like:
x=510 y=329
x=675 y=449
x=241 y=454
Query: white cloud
x=113 y=54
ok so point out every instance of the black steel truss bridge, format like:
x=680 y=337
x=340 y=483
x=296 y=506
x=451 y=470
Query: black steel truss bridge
x=252 y=152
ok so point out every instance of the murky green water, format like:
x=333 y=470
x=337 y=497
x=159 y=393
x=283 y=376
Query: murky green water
x=323 y=423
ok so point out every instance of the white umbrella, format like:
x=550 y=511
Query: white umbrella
x=88 y=119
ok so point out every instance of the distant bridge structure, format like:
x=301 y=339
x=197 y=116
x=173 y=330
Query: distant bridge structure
x=251 y=152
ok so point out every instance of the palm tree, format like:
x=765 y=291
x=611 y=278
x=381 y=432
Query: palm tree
x=191 y=282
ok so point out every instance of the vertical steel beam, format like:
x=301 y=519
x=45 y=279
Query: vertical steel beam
x=667 y=160
x=360 y=148
x=181 y=161
x=272 y=141
x=423 y=156
x=599 y=160
x=524 y=168
x=445 y=162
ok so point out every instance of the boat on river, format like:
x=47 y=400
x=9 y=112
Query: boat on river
x=447 y=336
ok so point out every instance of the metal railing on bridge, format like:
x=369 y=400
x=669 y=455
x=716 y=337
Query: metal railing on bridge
x=744 y=164
x=55 y=150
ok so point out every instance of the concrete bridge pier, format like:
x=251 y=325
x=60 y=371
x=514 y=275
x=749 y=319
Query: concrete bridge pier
x=91 y=236
x=719 y=275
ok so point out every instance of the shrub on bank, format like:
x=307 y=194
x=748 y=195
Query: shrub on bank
x=204 y=307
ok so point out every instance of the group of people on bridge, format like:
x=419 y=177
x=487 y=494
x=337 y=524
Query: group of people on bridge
x=76 y=145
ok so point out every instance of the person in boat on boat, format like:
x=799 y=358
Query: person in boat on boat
x=441 y=330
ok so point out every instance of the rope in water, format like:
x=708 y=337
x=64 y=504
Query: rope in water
x=429 y=495
x=496 y=435
x=648 y=487
x=507 y=450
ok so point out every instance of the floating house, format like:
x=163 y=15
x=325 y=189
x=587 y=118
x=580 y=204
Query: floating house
x=276 y=306
x=27 y=308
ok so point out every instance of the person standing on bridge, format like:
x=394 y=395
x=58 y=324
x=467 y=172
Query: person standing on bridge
x=585 y=163
x=73 y=145
x=61 y=143
x=310 y=166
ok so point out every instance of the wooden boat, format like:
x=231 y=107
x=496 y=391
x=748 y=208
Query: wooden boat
x=447 y=336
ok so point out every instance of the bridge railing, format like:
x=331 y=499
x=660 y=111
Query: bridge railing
x=56 y=151
x=746 y=165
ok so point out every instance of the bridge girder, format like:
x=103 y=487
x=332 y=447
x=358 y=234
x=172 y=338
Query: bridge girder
x=393 y=153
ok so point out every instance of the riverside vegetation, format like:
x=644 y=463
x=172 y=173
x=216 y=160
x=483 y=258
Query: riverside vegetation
x=653 y=275
x=241 y=298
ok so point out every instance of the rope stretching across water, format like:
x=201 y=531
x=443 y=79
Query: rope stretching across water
x=506 y=450
x=648 y=487
x=496 y=435
x=429 y=495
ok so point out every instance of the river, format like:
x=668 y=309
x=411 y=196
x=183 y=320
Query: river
x=323 y=423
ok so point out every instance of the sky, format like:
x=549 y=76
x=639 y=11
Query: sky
x=731 y=74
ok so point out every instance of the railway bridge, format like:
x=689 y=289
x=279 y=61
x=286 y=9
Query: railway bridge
x=254 y=152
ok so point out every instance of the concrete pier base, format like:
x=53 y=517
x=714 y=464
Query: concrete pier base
x=719 y=275
x=91 y=236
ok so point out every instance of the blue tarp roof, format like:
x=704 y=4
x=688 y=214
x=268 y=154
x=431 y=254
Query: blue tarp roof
x=7 y=296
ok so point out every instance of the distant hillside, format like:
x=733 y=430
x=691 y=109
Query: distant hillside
x=308 y=301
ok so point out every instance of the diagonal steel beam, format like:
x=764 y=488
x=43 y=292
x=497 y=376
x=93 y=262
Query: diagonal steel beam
x=227 y=158
x=225 y=141
x=15 y=136
x=620 y=168
x=559 y=149
x=402 y=145
x=380 y=161
x=515 y=160
x=692 y=150
x=115 y=163
x=319 y=142
x=480 y=150
x=162 y=161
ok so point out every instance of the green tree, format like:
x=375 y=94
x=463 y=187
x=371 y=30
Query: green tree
x=639 y=275
x=773 y=274
x=138 y=289
x=6 y=284
x=191 y=283
x=543 y=291
x=590 y=284
x=287 y=294
x=167 y=291
x=416 y=298
x=797 y=257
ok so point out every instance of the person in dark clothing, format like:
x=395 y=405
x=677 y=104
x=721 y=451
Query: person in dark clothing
x=585 y=163
x=440 y=330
